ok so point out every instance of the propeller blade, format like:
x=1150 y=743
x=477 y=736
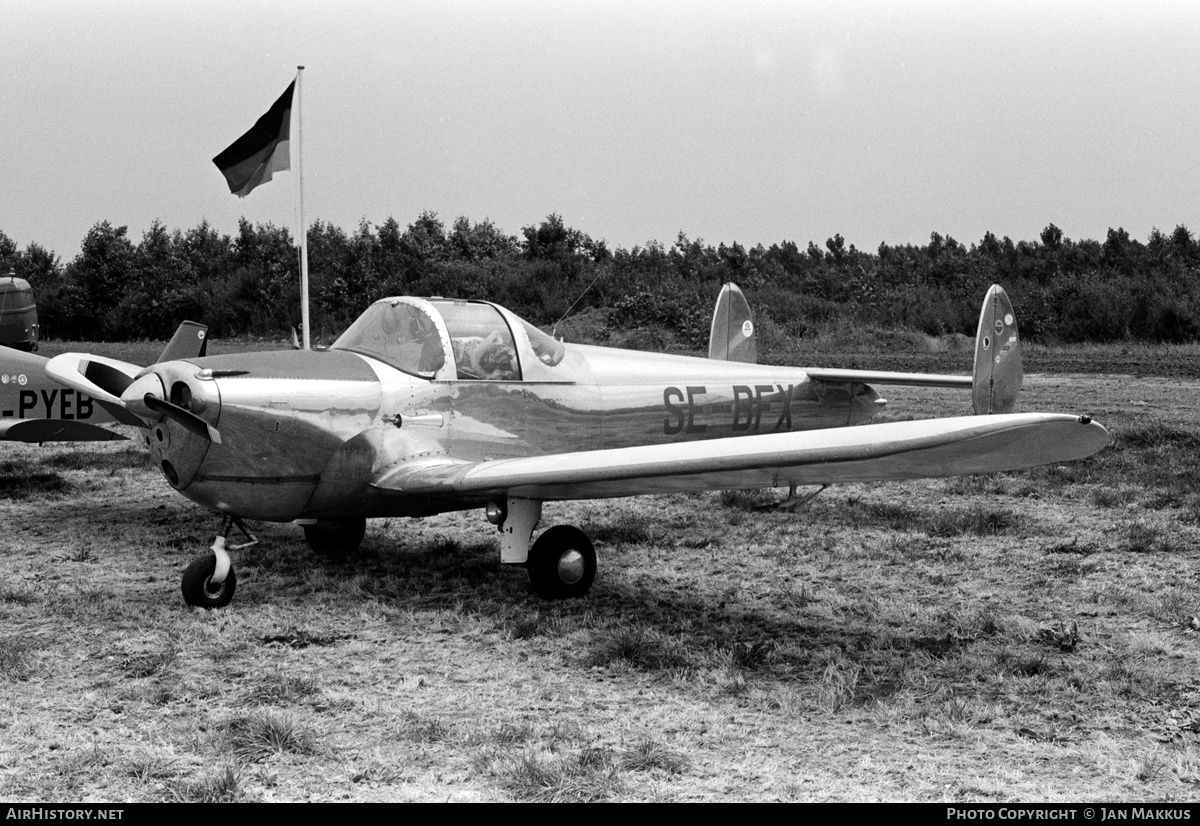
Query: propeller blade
x=187 y=419
x=107 y=377
x=121 y=413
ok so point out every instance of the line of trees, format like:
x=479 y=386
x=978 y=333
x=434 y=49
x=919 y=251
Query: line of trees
x=248 y=283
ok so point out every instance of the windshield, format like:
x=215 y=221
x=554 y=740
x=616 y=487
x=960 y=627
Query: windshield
x=397 y=333
x=483 y=344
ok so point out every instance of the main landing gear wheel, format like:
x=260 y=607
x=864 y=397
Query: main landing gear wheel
x=198 y=588
x=562 y=563
x=337 y=538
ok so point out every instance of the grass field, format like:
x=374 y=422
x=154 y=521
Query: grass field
x=1019 y=637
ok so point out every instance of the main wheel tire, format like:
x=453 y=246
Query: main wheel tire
x=198 y=589
x=337 y=538
x=562 y=563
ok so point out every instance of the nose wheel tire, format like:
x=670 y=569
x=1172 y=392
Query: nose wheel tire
x=336 y=538
x=198 y=588
x=562 y=563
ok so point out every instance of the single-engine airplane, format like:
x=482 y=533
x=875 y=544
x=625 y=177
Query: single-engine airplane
x=35 y=408
x=427 y=405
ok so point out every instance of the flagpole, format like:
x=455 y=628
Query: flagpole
x=303 y=226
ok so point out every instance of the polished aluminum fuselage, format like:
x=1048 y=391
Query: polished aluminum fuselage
x=304 y=434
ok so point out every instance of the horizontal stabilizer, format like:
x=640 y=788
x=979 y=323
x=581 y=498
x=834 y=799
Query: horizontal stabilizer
x=996 y=377
x=835 y=376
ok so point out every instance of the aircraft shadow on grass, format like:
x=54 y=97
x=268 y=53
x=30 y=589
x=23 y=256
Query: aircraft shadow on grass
x=439 y=573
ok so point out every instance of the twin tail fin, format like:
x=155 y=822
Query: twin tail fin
x=731 y=336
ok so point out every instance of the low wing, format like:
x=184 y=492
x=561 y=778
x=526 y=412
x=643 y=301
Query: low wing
x=880 y=452
x=54 y=430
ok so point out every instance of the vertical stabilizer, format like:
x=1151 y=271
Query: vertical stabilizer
x=190 y=341
x=731 y=337
x=997 y=375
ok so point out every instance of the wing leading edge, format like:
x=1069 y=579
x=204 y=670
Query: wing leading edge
x=867 y=453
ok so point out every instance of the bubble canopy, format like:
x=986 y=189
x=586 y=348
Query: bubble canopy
x=427 y=338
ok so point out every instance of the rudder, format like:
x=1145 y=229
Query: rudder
x=997 y=375
x=190 y=341
x=731 y=336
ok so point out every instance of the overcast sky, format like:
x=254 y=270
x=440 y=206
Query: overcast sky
x=744 y=121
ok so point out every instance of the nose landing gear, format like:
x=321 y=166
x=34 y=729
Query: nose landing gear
x=209 y=580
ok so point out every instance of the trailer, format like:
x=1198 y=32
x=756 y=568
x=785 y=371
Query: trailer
x=18 y=314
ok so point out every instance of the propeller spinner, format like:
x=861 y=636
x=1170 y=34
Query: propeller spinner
x=145 y=397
